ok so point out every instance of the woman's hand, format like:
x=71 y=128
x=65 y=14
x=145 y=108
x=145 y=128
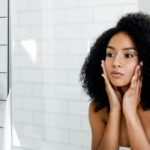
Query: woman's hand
x=131 y=98
x=113 y=93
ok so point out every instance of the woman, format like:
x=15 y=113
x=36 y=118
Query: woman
x=116 y=75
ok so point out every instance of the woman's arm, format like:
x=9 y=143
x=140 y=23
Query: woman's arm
x=137 y=136
x=104 y=137
x=131 y=100
x=110 y=140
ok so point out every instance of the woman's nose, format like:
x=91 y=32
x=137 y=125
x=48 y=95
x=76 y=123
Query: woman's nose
x=117 y=61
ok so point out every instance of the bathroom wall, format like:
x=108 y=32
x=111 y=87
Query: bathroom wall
x=144 y=6
x=50 y=41
x=5 y=101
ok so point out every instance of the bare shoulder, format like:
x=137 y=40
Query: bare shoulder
x=97 y=123
x=145 y=117
x=97 y=119
x=101 y=114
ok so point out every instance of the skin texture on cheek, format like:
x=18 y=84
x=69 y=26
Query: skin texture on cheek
x=125 y=80
x=127 y=69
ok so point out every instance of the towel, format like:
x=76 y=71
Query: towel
x=124 y=148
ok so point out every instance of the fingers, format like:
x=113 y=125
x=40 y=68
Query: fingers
x=139 y=82
x=104 y=70
x=136 y=76
x=133 y=80
x=104 y=75
x=136 y=82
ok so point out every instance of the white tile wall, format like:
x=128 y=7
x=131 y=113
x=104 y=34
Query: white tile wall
x=1 y=137
x=144 y=6
x=3 y=8
x=50 y=109
x=3 y=58
x=3 y=86
x=2 y=114
x=3 y=30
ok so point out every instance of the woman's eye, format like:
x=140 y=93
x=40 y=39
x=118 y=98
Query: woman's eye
x=109 y=55
x=128 y=55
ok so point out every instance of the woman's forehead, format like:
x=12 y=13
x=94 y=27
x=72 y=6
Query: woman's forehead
x=121 y=39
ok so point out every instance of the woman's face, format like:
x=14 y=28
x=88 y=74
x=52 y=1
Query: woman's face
x=121 y=59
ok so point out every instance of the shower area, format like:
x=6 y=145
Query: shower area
x=43 y=44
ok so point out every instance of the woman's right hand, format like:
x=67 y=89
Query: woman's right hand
x=113 y=93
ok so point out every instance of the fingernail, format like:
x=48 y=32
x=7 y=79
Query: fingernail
x=134 y=77
x=141 y=63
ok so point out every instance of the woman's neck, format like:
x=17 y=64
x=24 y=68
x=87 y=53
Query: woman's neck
x=122 y=90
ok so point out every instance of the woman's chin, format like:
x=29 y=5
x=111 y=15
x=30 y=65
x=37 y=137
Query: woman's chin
x=119 y=84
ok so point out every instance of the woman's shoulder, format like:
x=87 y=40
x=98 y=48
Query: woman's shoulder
x=97 y=123
x=144 y=113
x=101 y=114
x=145 y=116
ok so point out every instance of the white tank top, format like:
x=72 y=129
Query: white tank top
x=124 y=148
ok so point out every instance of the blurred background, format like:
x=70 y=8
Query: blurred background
x=50 y=40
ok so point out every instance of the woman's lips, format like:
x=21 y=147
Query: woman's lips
x=117 y=75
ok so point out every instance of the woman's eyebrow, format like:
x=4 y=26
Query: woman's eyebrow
x=127 y=48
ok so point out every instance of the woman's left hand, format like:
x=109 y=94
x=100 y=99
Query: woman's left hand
x=131 y=98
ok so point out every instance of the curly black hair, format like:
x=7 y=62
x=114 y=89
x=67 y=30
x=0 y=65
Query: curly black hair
x=137 y=26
